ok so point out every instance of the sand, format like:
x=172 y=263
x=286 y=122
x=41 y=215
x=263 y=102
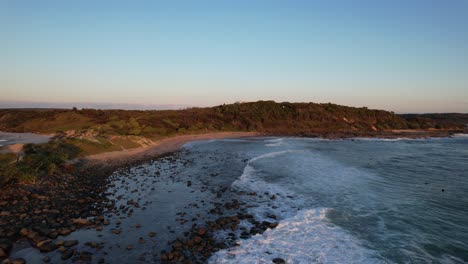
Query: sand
x=161 y=147
x=15 y=141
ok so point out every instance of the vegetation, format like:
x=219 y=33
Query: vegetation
x=262 y=116
x=37 y=162
x=89 y=131
x=438 y=121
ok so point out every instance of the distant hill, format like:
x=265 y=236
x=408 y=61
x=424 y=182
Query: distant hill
x=262 y=116
x=440 y=121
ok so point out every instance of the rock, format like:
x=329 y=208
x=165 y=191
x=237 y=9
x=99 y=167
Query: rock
x=14 y=261
x=5 y=247
x=46 y=259
x=201 y=232
x=279 y=261
x=70 y=243
x=24 y=231
x=62 y=249
x=129 y=247
x=47 y=247
x=197 y=239
x=137 y=225
x=151 y=234
x=67 y=254
x=116 y=231
x=53 y=235
x=273 y=225
x=39 y=197
x=92 y=244
x=80 y=221
x=64 y=231
x=43 y=242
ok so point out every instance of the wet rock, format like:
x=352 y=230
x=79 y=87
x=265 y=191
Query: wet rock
x=151 y=234
x=24 y=231
x=47 y=247
x=279 y=261
x=3 y=253
x=62 y=249
x=16 y=261
x=93 y=244
x=5 y=248
x=64 y=231
x=67 y=254
x=80 y=221
x=70 y=243
x=201 y=231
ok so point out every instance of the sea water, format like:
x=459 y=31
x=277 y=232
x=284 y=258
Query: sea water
x=355 y=201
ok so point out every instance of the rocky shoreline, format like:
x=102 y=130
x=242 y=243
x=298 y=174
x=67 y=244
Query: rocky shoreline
x=44 y=213
x=56 y=207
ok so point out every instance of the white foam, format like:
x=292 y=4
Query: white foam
x=274 y=142
x=460 y=135
x=382 y=139
x=305 y=238
x=303 y=235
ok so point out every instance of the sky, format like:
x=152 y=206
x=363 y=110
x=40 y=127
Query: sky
x=407 y=56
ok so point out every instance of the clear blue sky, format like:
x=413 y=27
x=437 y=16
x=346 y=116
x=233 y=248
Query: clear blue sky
x=400 y=55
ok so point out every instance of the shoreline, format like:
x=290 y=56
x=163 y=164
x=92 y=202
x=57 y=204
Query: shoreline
x=158 y=148
x=92 y=177
x=123 y=158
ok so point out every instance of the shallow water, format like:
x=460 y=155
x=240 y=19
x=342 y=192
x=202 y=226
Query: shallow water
x=337 y=201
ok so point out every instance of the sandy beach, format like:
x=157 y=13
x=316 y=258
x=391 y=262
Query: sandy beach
x=161 y=147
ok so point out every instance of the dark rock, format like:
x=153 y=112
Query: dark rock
x=201 y=232
x=279 y=261
x=70 y=243
x=5 y=248
x=47 y=247
x=67 y=254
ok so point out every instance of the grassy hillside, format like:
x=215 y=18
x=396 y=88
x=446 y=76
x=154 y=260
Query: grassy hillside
x=262 y=116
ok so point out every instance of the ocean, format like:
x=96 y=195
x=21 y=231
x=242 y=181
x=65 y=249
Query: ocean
x=336 y=201
x=354 y=201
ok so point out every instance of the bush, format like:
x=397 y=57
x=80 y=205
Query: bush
x=38 y=161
